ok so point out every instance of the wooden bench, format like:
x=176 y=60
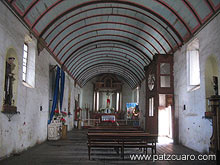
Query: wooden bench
x=122 y=140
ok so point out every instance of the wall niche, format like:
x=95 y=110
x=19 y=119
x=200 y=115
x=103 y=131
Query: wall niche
x=211 y=69
x=10 y=83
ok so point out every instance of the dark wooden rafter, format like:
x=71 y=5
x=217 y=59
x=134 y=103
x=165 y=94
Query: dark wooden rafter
x=133 y=69
x=110 y=29
x=87 y=51
x=104 y=35
x=176 y=14
x=210 y=5
x=127 y=75
x=42 y=33
x=45 y=12
x=96 y=41
x=193 y=11
x=87 y=68
x=30 y=7
x=87 y=25
x=95 y=70
x=109 y=57
x=115 y=52
x=108 y=68
x=117 y=2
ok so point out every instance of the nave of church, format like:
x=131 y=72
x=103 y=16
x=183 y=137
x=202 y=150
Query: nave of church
x=97 y=81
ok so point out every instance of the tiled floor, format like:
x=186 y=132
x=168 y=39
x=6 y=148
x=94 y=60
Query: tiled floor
x=73 y=150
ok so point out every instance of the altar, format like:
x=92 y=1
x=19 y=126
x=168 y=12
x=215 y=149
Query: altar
x=107 y=94
x=107 y=99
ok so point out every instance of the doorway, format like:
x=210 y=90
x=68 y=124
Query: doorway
x=165 y=127
x=165 y=122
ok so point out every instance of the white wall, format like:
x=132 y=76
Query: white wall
x=126 y=96
x=194 y=131
x=30 y=126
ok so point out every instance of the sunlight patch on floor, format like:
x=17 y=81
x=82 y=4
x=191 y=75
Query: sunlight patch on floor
x=164 y=140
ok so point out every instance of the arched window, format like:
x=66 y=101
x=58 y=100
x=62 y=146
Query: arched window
x=193 y=67
x=25 y=61
x=28 y=65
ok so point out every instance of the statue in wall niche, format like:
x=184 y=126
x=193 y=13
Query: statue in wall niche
x=9 y=78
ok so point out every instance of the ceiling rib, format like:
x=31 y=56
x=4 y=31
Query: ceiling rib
x=42 y=33
x=117 y=2
x=108 y=63
x=99 y=58
x=106 y=68
x=193 y=11
x=137 y=71
x=106 y=28
x=104 y=40
x=112 y=47
x=111 y=29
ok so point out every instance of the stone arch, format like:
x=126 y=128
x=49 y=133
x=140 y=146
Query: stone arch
x=211 y=69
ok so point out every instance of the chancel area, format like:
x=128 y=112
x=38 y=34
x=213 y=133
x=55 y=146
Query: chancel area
x=109 y=81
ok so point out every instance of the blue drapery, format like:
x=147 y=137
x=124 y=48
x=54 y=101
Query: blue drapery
x=58 y=86
x=55 y=95
x=62 y=88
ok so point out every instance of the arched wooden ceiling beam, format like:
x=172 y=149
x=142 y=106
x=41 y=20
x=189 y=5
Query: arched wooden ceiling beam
x=108 y=69
x=98 y=36
x=175 y=13
x=30 y=6
x=98 y=60
x=119 y=46
x=45 y=12
x=95 y=70
x=193 y=11
x=41 y=34
x=100 y=40
x=115 y=53
x=210 y=5
x=116 y=35
x=87 y=68
x=87 y=25
x=113 y=57
x=145 y=8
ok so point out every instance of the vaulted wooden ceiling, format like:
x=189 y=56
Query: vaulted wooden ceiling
x=91 y=37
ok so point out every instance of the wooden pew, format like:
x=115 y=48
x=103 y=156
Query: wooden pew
x=110 y=129
x=122 y=141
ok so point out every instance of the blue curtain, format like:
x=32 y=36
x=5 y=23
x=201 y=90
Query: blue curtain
x=55 y=96
x=62 y=88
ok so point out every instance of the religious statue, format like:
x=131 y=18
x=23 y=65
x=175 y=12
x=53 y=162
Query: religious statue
x=9 y=78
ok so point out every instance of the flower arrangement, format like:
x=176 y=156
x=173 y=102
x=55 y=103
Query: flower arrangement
x=56 y=112
x=63 y=120
x=64 y=114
